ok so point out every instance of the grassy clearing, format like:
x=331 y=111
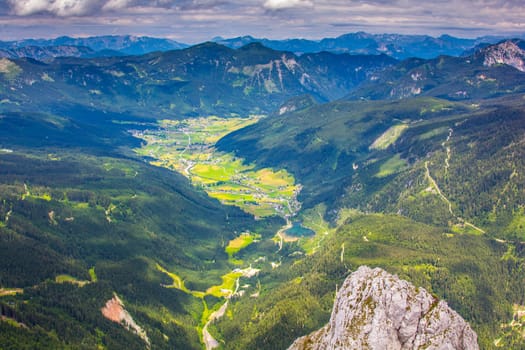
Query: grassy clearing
x=226 y=288
x=517 y=225
x=92 y=274
x=188 y=147
x=178 y=283
x=389 y=137
x=10 y=291
x=433 y=133
x=271 y=178
x=392 y=166
x=44 y=196
x=70 y=279
x=239 y=243
x=465 y=228
x=9 y=68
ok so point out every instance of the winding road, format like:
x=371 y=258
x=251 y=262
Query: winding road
x=281 y=231
x=209 y=341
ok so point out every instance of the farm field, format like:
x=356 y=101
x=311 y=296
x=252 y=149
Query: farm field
x=188 y=147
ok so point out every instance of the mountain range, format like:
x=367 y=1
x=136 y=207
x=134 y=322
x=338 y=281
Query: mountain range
x=109 y=45
x=489 y=72
x=394 y=45
x=415 y=166
x=359 y=43
x=204 y=79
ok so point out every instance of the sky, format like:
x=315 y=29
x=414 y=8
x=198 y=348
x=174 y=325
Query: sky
x=194 y=21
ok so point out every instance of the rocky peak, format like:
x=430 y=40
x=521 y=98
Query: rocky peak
x=376 y=310
x=508 y=52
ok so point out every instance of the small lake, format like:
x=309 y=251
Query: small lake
x=298 y=230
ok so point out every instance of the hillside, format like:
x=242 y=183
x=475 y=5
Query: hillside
x=374 y=155
x=449 y=175
x=323 y=144
x=82 y=220
x=490 y=72
x=47 y=53
x=479 y=277
x=202 y=80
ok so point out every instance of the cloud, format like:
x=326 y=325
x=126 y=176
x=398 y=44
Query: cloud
x=286 y=4
x=72 y=8
x=198 y=20
x=116 y=4
x=61 y=8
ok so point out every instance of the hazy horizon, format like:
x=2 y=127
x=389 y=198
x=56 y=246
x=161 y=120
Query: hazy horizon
x=195 y=21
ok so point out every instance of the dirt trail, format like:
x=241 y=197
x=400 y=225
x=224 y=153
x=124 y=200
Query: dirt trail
x=434 y=184
x=448 y=150
x=209 y=341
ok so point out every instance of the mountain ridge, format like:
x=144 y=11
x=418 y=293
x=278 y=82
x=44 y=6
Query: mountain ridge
x=398 y=46
x=122 y=44
x=480 y=76
x=509 y=52
x=201 y=80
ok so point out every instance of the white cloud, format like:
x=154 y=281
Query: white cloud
x=72 y=8
x=29 y=7
x=285 y=4
x=61 y=8
x=116 y=4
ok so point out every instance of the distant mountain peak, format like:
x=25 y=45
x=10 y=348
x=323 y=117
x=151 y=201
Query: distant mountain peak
x=107 y=45
x=377 y=310
x=256 y=46
x=509 y=52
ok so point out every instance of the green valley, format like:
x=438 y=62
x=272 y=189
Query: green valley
x=217 y=198
x=188 y=147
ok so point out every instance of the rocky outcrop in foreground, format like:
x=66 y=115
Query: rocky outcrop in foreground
x=376 y=310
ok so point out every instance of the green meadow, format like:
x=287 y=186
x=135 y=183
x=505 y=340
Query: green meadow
x=188 y=147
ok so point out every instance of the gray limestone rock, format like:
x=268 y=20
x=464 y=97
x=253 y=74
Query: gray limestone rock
x=376 y=310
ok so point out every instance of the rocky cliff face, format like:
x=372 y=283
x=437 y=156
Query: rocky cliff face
x=376 y=310
x=508 y=52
